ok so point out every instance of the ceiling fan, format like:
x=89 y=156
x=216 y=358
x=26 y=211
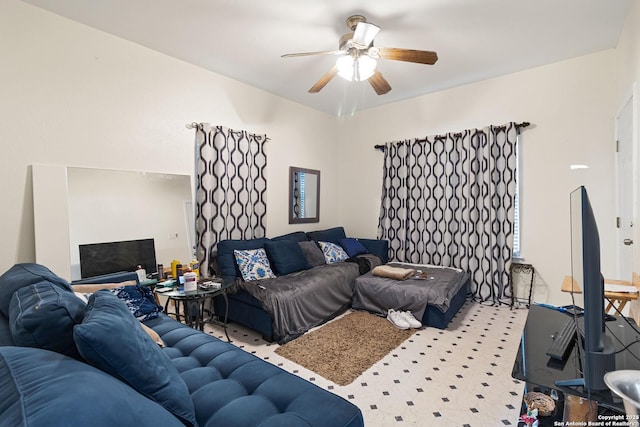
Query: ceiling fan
x=357 y=56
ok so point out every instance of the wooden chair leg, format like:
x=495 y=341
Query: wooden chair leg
x=609 y=305
x=622 y=304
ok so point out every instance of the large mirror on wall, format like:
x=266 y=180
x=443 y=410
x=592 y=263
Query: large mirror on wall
x=304 y=195
x=81 y=207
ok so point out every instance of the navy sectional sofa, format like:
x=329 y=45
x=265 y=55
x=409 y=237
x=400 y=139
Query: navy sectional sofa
x=246 y=309
x=121 y=377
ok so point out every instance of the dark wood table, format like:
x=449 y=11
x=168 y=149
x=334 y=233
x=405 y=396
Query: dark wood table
x=194 y=311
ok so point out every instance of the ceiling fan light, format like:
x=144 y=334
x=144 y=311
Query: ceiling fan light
x=358 y=69
x=345 y=67
x=366 y=66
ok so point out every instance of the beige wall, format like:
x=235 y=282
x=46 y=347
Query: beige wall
x=72 y=95
x=75 y=96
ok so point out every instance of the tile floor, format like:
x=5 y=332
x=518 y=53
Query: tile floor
x=460 y=376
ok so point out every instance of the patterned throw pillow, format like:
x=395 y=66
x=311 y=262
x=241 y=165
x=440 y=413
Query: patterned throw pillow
x=332 y=252
x=140 y=301
x=253 y=264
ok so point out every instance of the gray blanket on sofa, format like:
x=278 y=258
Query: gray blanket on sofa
x=437 y=288
x=302 y=300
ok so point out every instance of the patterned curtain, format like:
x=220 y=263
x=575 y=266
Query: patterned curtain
x=231 y=189
x=449 y=200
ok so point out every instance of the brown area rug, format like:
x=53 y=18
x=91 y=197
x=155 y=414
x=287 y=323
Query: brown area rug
x=343 y=349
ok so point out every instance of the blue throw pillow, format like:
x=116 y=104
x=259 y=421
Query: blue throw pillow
x=353 y=247
x=333 y=235
x=21 y=275
x=286 y=257
x=332 y=252
x=42 y=388
x=139 y=300
x=43 y=316
x=254 y=264
x=111 y=339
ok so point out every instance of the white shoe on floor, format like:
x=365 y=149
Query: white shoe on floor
x=397 y=320
x=408 y=317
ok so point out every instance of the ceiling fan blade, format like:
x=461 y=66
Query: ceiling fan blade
x=364 y=34
x=408 y=55
x=322 y=52
x=379 y=83
x=324 y=80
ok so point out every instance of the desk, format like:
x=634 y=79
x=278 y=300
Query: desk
x=618 y=299
x=196 y=318
x=615 y=299
x=533 y=366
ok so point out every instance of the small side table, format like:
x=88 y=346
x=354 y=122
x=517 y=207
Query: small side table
x=519 y=268
x=196 y=318
x=615 y=300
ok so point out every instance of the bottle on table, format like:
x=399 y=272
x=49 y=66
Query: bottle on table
x=190 y=281
x=142 y=274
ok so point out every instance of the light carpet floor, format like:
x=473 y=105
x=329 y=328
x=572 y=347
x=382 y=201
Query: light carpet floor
x=460 y=376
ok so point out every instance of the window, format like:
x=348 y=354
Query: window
x=302 y=195
x=516 y=214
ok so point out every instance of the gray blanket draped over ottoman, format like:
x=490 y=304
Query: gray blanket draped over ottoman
x=379 y=294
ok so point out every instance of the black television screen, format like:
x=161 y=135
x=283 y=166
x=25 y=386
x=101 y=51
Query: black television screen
x=103 y=258
x=598 y=352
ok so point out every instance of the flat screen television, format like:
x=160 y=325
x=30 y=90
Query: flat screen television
x=597 y=351
x=103 y=258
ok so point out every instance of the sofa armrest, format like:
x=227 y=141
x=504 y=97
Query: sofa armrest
x=121 y=276
x=379 y=248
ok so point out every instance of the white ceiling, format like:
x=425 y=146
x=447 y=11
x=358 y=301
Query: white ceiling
x=244 y=39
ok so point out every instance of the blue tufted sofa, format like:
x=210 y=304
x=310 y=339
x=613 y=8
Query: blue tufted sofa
x=195 y=379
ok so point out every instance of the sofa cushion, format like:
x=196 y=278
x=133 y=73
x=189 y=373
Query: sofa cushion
x=298 y=236
x=253 y=264
x=353 y=247
x=5 y=331
x=332 y=235
x=140 y=301
x=231 y=387
x=96 y=287
x=21 y=275
x=286 y=257
x=312 y=253
x=43 y=315
x=111 y=339
x=380 y=248
x=43 y=388
x=118 y=277
x=333 y=252
x=227 y=266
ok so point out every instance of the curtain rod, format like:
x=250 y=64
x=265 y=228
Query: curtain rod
x=518 y=127
x=195 y=125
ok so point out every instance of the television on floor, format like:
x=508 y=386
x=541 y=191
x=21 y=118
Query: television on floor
x=595 y=347
x=97 y=259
